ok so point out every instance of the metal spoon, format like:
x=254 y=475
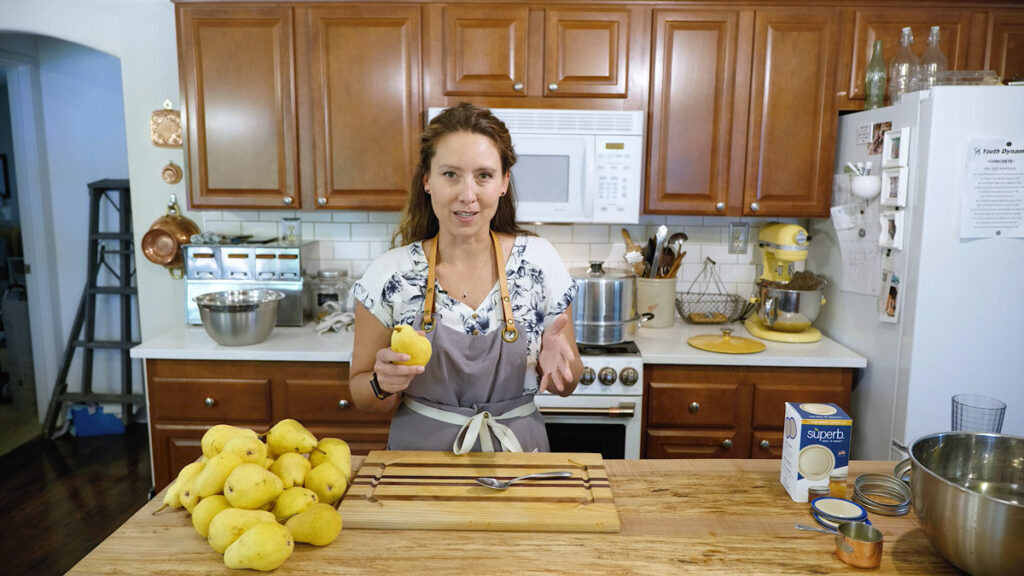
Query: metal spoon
x=813 y=529
x=675 y=242
x=504 y=484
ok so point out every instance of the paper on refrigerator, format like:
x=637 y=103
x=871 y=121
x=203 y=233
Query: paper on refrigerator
x=992 y=199
x=857 y=236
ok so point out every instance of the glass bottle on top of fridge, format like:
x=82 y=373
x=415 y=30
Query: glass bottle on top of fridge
x=874 y=79
x=933 y=61
x=904 y=69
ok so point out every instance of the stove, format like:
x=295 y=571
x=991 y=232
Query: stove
x=615 y=369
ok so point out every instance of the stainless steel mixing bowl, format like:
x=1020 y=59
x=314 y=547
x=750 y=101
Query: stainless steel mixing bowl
x=968 y=493
x=239 y=317
x=788 y=310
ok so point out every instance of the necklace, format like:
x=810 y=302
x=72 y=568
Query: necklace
x=465 y=292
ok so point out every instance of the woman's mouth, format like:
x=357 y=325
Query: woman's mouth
x=464 y=215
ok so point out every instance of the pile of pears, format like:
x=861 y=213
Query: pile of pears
x=253 y=500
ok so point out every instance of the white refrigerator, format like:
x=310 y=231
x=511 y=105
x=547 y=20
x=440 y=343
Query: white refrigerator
x=952 y=257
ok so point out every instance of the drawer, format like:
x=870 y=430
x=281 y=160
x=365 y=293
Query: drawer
x=770 y=399
x=693 y=404
x=766 y=444
x=326 y=401
x=217 y=400
x=669 y=443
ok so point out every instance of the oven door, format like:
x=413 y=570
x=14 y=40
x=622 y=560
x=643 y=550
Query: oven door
x=550 y=177
x=609 y=425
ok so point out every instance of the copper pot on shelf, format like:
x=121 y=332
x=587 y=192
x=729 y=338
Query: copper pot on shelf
x=163 y=241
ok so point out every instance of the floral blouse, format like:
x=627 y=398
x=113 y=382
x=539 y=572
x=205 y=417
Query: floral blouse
x=394 y=287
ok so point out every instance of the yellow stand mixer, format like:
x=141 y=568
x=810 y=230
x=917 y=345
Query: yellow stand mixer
x=784 y=314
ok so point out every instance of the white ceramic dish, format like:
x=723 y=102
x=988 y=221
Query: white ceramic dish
x=816 y=462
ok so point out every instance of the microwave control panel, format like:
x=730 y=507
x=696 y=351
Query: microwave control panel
x=617 y=163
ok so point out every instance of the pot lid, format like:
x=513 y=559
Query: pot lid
x=597 y=271
x=725 y=343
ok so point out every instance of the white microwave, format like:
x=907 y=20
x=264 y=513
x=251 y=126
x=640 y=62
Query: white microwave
x=575 y=165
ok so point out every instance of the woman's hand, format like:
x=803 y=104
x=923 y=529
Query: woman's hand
x=391 y=376
x=557 y=357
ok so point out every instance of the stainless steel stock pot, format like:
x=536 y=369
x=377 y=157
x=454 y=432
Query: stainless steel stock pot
x=604 y=311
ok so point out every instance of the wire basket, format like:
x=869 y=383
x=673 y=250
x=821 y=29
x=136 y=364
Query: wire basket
x=706 y=301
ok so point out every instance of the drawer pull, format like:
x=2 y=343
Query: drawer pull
x=726 y=444
x=210 y=402
x=765 y=444
x=342 y=403
x=694 y=407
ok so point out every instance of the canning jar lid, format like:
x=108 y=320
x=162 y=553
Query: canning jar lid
x=331 y=273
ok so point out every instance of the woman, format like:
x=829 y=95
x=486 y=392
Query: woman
x=497 y=312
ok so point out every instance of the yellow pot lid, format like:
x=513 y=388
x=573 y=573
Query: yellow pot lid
x=725 y=343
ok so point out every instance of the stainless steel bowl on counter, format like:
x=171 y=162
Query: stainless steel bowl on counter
x=239 y=317
x=604 y=311
x=968 y=494
x=788 y=310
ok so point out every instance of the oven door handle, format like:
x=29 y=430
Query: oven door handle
x=623 y=410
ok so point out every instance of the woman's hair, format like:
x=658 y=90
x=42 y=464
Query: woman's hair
x=418 y=220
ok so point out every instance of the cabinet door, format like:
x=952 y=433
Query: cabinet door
x=173 y=448
x=694 y=117
x=238 y=109
x=766 y=444
x=725 y=443
x=485 y=50
x=884 y=24
x=1005 y=50
x=585 y=52
x=790 y=141
x=365 y=76
x=773 y=389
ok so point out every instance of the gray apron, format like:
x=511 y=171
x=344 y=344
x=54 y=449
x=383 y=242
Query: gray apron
x=470 y=395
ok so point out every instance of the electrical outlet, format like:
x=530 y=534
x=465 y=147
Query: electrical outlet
x=738 y=237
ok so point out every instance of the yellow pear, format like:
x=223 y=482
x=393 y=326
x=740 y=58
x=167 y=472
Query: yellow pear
x=328 y=481
x=206 y=510
x=189 y=497
x=292 y=501
x=251 y=486
x=227 y=526
x=211 y=479
x=264 y=546
x=250 y=448
x=291 y=468
x=172 y=497
x=335 y=451
x=407 y=340
x=290 y=436
x=217 y=436
x=268 y=462
x=318 y=526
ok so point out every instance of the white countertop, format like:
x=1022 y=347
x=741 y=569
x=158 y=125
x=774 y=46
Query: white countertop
x=657 y=345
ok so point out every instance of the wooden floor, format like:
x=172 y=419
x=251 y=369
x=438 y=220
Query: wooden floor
x=60 y=498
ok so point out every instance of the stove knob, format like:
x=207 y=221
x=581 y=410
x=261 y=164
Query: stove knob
x=629 y=376
x=607 y=376
x=587 y=378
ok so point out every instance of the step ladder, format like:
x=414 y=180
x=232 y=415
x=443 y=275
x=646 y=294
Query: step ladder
x=83 y=331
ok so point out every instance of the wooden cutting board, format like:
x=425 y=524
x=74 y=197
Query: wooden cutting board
x=436 y=491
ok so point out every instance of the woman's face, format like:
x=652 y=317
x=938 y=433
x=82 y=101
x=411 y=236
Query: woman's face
x=465 y=183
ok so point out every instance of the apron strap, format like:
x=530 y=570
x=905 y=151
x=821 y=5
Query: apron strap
x=477 y=426
x=509 y=333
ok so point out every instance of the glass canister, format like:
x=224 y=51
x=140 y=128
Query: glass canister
x=331 y=286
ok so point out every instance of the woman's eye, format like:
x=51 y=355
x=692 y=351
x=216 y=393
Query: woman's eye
x=448 y=174
x=484 y=175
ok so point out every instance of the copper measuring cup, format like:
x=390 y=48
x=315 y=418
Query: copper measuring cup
x=859 y=545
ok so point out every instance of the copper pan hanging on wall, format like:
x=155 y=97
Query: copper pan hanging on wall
x=163 y=241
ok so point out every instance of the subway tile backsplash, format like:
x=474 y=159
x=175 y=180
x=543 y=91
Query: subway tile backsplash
x=350 y=240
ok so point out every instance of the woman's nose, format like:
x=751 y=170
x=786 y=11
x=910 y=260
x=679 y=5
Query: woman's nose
x=467 y=191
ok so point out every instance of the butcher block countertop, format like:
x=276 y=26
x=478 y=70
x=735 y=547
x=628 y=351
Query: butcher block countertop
x=678 y=517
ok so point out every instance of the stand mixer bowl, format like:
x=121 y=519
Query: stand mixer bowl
x=788 y=310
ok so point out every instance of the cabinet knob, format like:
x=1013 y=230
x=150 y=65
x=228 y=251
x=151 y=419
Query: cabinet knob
x=321 y=201
x=518 y=86
x=765 y=444
x=342 y=403
x=754 y=206
x=694 y=406
x=209 y=402
x=726 y=444
x=553 y=87
x=720 y=207
x=287 y=200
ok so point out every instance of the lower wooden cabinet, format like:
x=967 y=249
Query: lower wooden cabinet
x=729 y=412
x=186 y=397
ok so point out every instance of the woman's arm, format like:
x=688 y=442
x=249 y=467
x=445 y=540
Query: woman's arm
x=559 y=358
x=371 y=352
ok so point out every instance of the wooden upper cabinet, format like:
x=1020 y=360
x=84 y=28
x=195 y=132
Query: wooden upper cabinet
x=864 y=26
x=365 y=78
x=1005 y=48
x=586 y=52
x=235 y=65
x=791 y=138
x=485 y=50
x=698 y=99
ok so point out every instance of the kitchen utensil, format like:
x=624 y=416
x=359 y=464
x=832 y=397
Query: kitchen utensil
x=407 y=490
x=725 y=343
x=605 y=308
x=785 y=310
x=239 y=317
x=813 y=529
x=659 y=243
x=968 y=494
x=882 y=494
x=163 y=241
x=859 y=545
x=674 y=269
x=634 y=255
x=977 y=413
x=504 y=484
x=706 y=300
x=675 y=242
x=668 y=258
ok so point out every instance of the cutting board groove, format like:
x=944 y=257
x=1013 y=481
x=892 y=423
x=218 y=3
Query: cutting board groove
x=436 y=491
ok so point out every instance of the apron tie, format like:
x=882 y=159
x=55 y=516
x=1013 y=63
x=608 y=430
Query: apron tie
x=480 y=425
